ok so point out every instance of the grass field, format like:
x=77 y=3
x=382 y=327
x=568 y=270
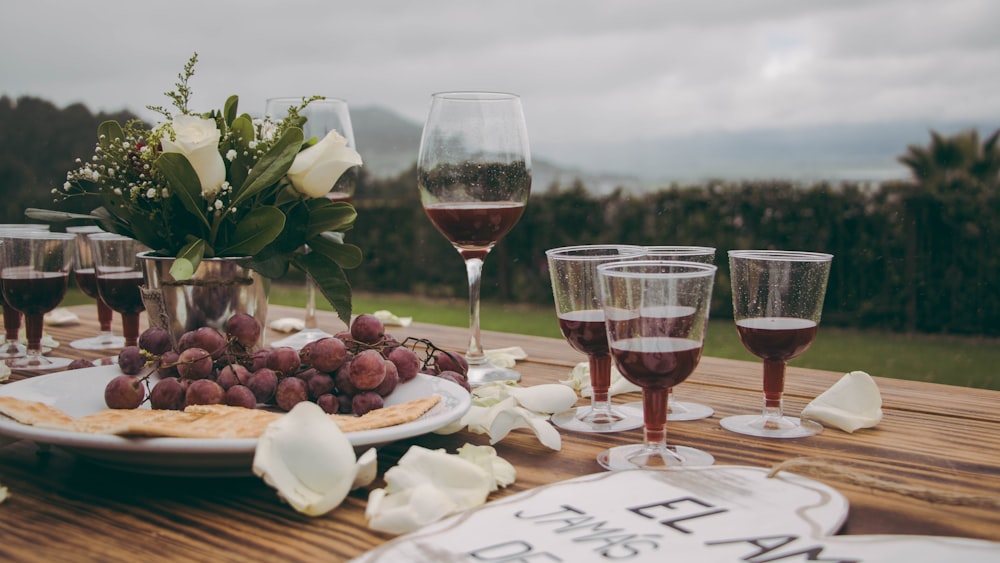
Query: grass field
x=970 y=362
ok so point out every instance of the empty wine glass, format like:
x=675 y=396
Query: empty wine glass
x=12 y=347
x=777 y=303
x=577 y=295
x=119 y=277
x=653 y=351
x=86 y=281
x=36 y=266
x=322 y=116
x=474 y=176
x=681 y=410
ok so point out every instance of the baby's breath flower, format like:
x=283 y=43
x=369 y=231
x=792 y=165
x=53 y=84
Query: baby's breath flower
x=118 y=191
x=231 y=155
x=151 y=193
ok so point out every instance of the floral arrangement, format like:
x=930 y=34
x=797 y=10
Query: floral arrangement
x=222 y=184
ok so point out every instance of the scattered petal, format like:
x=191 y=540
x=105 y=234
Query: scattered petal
x=852 y=402
x=548 y=397
x=389 y=319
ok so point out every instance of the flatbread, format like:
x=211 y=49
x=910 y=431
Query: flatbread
x=35 y=413
x=197 y=421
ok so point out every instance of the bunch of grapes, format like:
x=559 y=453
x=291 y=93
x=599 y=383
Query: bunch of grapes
x=349 y=373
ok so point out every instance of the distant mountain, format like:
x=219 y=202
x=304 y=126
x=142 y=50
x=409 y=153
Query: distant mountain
x=863 y=152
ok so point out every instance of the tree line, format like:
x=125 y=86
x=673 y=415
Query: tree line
x=917 y=255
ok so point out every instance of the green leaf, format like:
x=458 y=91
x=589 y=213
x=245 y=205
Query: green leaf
x=109 y=131
x=50 y=216
x=345 y=255
x=330 y=280
x=242 y=130
x=325 y=215
x=183 y=182
x=255 y=231
x=229 y=109
x=271 y=167
x=187 y=260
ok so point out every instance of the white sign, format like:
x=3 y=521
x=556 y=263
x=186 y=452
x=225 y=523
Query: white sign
x=718 y=513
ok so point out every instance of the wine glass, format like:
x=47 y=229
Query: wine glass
x=36 y=266
x=653 y=351
x=12 y=347
x=322 y=116
x=777 y=303
x=119 y=278
x=474 y=176
x=573 y=271
x=86 y=280
x=681 y=410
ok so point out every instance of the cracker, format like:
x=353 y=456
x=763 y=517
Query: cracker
x=208 y=421
x=35 y=413
x=118 y=421
x=389 y=416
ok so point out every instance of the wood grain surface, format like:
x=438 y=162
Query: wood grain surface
x=932 y=436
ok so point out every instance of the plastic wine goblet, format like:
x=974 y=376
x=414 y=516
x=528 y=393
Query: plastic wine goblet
x=12 y=347
x=119 y=278
x=36 y=266
x=777 y=302
x=322 y=117
x=653 y=354
x=573 y=272
x=474 y=177
x=681 y=410
x=86 y=281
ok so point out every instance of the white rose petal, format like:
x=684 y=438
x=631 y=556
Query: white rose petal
x=547 y=398
x=307 y=458
x=425 y=486
x=852 y=402
x=198 y=140
x=579 y=379
x=503 y=471
x=388 y=318
x=316 y=169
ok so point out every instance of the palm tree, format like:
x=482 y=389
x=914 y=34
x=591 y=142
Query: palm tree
x=955 y=163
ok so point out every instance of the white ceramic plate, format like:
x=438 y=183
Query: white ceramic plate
x=81 y=392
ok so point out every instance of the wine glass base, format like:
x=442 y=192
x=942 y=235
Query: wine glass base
x=639 y=456
x=99 y=343
x=488 y=373
x=681 y=410
x=784 y=427
x=43 y=364
x=12 y=350
x=301 y=338
x=585 y=419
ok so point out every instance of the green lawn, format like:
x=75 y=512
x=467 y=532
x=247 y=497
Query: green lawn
x=971 y=362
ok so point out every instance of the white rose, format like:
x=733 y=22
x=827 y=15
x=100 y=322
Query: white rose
x=316 y=169
x=198 y=140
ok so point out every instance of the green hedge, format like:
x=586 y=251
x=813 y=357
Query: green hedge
x=903 y=260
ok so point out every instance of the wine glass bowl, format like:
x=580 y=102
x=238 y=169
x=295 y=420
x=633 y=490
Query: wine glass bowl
x=777 y=304
x=573 y=272
x=653 y=353
x=322 y=116
x=12 y=347
x=36 y=266
x=119 y=278
x=474 y=178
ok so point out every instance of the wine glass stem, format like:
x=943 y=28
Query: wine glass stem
x=654 y=413
x=11 y=323
x=474 y=355
x=130 y=328
x=774 y=387
x=310 y=321
x=104 y=316
x=600 y=382
x=33 y=332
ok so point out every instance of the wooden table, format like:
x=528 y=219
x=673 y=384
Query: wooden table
x=932 y=436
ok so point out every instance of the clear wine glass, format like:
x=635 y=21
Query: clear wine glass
x=577 y=295
x=682 y=410
x=322 y=116
x=12 y=347
x=119 y=277
x=36 y=266
x=777 y=302
x=86 y=281
x=653 y=351
x=474 y=176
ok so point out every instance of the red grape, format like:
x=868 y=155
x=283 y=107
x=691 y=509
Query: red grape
x=168 y=364
x=291 y=391
x=232 y=374
x=406 y=361
x=329 y=403
x=342 y=380
x=195 y=363
x=450 y=361
x=390 y=380
x=325 y=354
x=319 y=384
x=283 y=360
x=124 y=392
x=155 y=340
x=206 y=338
x=457 y=378
x=204 y=392
x=367 y=401
x=263 y=383
x=244 y=328
x=367 y=328
x=240 y=396
x=131 y=360
x=168 y=394
x=367 y=370
x=80 y=363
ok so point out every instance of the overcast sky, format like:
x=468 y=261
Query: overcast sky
x=586 y=69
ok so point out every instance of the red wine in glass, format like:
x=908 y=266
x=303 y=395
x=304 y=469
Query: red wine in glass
x=34 y=293
x=585 y=331
x=120 y=290
x=474 y=227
